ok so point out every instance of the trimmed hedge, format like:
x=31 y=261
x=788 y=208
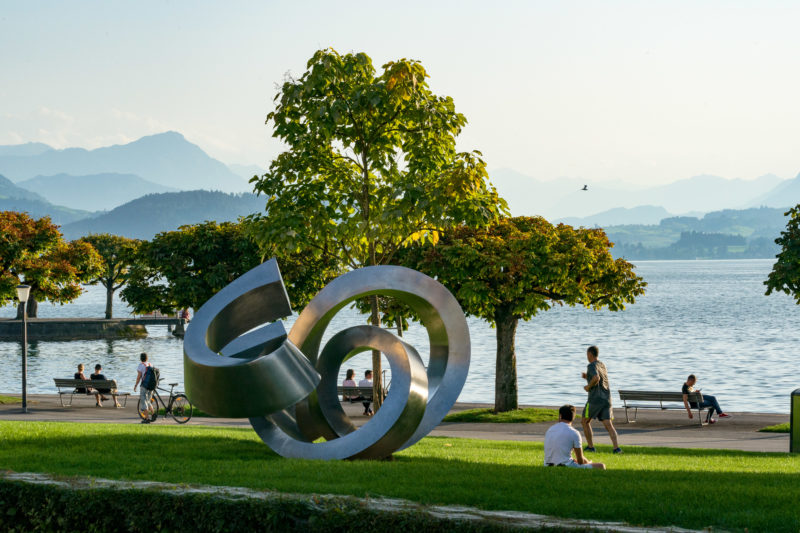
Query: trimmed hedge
x=34 y=507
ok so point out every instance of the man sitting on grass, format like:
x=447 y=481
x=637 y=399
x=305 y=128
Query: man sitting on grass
x=562 y=440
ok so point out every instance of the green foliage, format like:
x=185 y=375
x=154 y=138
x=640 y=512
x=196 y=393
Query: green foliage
x=644 y=486
x=9 y=399
x=118 y=255
x=528 y=415
x=185 y=268
x=785 y=275
x=32 y=250
x=777 y=428
x=371 y=163
x=521 y=266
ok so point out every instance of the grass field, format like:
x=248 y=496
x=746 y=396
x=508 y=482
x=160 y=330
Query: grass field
x=527 y=415
x=9 y=399
x=646 y=486
x=777 y=428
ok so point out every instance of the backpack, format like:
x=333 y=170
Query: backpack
x=150 y=379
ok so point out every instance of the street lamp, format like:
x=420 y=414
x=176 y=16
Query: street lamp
x=22 y=293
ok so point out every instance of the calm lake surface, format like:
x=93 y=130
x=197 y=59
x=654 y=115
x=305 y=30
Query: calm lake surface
x=710 y=318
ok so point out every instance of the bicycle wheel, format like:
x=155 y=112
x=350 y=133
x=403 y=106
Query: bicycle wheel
x=146 y=414
x=181 y=409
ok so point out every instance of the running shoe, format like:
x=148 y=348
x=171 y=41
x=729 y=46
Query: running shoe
x=725 y=415
x=618 y=450
x=589 y=449
x=712 y=420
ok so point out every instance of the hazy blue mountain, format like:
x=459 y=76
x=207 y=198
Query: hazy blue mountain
x=565 y=198
x=167 y=159
x=10 y=190
x=40 y=208
x=26 y=149
x=144 y=217
x=247 y=171
x=95 y=192
x=643 y=214
x=785 y=194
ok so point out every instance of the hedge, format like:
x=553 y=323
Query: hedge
x=34 y=507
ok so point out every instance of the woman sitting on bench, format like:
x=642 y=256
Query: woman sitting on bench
x=86 y=390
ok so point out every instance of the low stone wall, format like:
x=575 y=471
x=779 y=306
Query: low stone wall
x=71 y=329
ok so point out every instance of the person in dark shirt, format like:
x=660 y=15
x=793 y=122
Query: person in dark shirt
x=598 y=404
x=98 y=375
x=86 y=390
x=708 y=401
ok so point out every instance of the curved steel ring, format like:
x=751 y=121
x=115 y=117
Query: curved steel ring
x=272 y=378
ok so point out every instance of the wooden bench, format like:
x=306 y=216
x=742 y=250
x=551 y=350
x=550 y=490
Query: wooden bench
x=661 y=397
x=355 y=392
x=72 y=385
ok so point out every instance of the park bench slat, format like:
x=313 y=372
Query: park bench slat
x=660 y=397
x=74 y=384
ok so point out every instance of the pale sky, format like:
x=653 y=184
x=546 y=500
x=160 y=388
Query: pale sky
x=646 y=92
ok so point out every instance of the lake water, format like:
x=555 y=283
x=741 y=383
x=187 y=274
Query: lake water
x=710 y=318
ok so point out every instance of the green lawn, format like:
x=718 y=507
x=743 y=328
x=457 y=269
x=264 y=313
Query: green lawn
x=9 y=399
x=728 y=490
x=527 y=415
x=777 y=428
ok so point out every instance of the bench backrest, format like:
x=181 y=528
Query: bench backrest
x=658 y=396
x=355 y=391
x=62 y=383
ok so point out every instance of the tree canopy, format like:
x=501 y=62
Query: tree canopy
x=371 y=165
x=32 y=251
x=519 y=267
x=118 y=255
x=785 y=275
x=184 y=268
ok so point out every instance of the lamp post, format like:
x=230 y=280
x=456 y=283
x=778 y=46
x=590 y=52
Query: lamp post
x=22 y=293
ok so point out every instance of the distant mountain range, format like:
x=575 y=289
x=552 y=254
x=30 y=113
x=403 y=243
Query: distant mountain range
x=644 y=214
x=166 y=159
x=97 y=192
x=151 y=214
x=564 y=198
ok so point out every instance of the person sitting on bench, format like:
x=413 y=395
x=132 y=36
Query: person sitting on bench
x=349 y=381
x=562 y=440
x=98 y=375
x=708 y=401
x=86 y=390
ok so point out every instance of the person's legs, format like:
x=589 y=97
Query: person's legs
x=586 y=422
x=612 y=432
x=366 y=407
x=712 y=400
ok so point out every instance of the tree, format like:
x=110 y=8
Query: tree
x=785 y=275
x=518 y=267
x=371 y=166
x=32 y=251
x=184 y=268
x=118 y=255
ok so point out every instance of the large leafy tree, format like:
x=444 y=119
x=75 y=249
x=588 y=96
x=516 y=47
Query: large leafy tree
x=186 y=267
x=519 y=267
x=32 y=251
x=785 y=275
x=118 y=254
x=371 y=165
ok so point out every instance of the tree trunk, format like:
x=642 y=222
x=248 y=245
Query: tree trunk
x=505 y=383
x=399 y=323
x=377 y=385
x=33 y=308
x=109 y=301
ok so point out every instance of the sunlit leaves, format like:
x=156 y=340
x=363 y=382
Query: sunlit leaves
x=785 y=275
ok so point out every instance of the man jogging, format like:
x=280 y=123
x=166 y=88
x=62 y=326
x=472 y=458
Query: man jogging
x=598 y=404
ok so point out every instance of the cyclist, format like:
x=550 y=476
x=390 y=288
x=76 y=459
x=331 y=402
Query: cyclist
x=145 y=396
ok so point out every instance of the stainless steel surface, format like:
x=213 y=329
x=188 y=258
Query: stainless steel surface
x=272 y=378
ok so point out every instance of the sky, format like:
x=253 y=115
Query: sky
x=644 y=92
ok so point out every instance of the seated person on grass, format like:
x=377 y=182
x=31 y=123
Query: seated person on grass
x=562 y=440
x=708 y=401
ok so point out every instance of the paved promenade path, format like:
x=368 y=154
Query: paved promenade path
x=654 y=428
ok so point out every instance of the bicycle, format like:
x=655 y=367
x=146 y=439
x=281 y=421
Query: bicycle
x=178 y=406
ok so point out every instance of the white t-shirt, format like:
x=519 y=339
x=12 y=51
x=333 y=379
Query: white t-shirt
x=559 y=442
x=365 y=383
x=142 y=368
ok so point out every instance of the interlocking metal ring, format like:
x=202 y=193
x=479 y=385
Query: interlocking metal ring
x=235 y=366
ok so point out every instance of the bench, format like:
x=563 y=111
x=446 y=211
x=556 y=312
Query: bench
x=355 y=392
x=73 y=384
x=661 y=397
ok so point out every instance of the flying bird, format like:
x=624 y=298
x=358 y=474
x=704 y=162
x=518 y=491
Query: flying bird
x=585 y=188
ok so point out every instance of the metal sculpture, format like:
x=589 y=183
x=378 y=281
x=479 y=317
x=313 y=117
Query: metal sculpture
x=287 y=387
